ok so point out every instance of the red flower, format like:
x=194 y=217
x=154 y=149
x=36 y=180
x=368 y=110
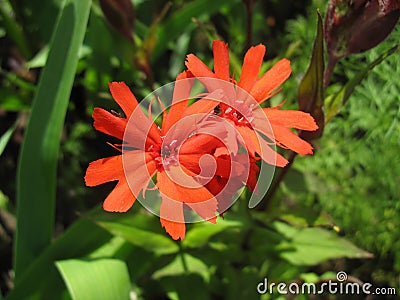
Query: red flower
x=175 y=153
x=243 y=110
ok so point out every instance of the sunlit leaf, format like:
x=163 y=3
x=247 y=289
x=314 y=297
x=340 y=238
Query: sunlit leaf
x=311 y=246
x=311 y=88
x=4 y=139
x=11 y=102
x=40 y=59
x=202 y=233
x=334 y=102
x=95 y=279
x=137 y=229
x=183 y=264
x=3 y=200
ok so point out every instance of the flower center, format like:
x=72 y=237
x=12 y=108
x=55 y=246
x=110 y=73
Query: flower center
x=242 y=115
x=168 y=155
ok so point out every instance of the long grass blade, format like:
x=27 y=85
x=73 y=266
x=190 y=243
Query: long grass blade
x=36 y=182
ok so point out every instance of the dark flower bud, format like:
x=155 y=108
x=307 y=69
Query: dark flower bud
x=355 y=26
x=120 y=14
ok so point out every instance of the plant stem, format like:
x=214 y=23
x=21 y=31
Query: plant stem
x=249 y=21
x=183 y=259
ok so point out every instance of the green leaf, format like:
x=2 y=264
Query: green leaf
x=202 y=233
x=14 y=31
x=184 y=264
x=311 y=88
x=137 y=229
x=95 y=279
x=40 y=59
x=3 y=201
x=311 y=246
x=36 y=182
x=334 y=102
x=5 y=138
x=12 y=102
x=185 y=286
x=41 y=280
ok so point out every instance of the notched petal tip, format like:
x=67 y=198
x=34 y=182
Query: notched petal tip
x=120 y=199
x=175 y=229
x=104 y=170
x=124 y=97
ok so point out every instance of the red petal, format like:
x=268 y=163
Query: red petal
x=180 y=97
x=200 y=143
x=193 y=192
x=172 y=218
x=139 y=167
x=252 y=179
x=112 y=168
x=197 y=67
x=205 y=105
x=221 y=60
x=141 y=129
x=287 y=139
x=271 y=80
x=205 y=210
x=124 y=97
x=108 y=123
x=251 y=67
x=104 y=170
x=136 y=132
x=127 y=101
x=290 y=119
x=256 y=144
x=120 y=199
x=199 y=199
x=202 y=72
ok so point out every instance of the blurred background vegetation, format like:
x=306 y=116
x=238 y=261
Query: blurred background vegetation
x=337 y=210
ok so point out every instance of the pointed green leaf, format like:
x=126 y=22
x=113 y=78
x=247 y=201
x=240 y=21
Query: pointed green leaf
x=334 y=102
x=36 y=182
x=95 y=279
x=311 y=246
x=183 y=264
x=202 y=233
x=141 y=230
x=311 y=88
x=41 y=279
x=5 y=138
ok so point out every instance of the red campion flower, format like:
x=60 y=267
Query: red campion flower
x=243 y=110
x=171 y=153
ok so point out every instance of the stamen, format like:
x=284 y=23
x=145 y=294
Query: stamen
x=116 y=114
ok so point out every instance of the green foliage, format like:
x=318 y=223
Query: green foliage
x=311 y=88
x=5 y=138
x=354 y=174
x=81 y=276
